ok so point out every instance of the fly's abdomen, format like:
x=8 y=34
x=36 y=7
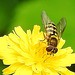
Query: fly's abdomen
x=51 y=30
x=52 y=35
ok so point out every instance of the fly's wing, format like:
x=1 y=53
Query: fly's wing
x=45 y=19
x=61 y=26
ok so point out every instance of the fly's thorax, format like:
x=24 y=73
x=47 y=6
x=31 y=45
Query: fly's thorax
x=53 y=41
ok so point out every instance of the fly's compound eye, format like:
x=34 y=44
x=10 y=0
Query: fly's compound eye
x=55 y=50
x=49 y=49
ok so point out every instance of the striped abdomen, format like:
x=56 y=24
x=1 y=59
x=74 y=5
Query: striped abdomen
x=51 y=34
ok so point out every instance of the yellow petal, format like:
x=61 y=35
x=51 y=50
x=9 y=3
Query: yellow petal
x=37 y=73
x=3 y=43
x=66 y=51
x=68 y=59
x=68 y=72
x=28 y=61
x=37 y=68
x=14 y=37
x=23 y=70
x=61 y=43
x=23 y=46
x=29 y=37
x=51 y=71
x=65 y=71
x=29 y=33
x=36 y=30
x=35 y=34
x=16 y=47
x=22 y=35
x=12 y=68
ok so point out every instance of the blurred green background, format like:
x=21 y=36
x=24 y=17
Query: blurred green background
x=27 y=13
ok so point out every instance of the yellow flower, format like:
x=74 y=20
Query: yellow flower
x=26 y=54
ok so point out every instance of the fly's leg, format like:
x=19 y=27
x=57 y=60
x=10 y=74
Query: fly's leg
x=44 y=37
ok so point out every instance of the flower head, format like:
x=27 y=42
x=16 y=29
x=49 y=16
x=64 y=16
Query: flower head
x=26 y=54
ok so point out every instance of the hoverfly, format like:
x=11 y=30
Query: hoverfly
x=53 y=32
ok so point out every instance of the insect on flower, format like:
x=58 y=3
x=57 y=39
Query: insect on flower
x=53 y=32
